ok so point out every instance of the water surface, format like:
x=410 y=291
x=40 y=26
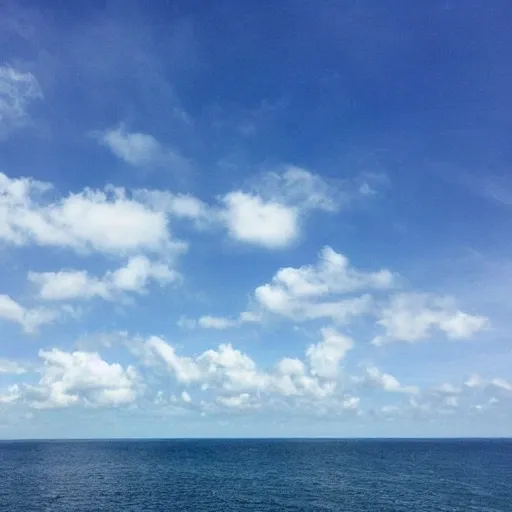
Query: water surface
x=257 y=475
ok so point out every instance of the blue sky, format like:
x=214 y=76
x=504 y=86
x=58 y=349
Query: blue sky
x=235 y=219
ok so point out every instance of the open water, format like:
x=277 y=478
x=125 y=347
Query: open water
x=256 y=475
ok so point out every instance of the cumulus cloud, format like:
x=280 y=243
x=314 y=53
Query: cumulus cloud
x=81 y=378
x=250 y=219
x=476 y=381
x=186 y=369
x=482 y=407
x=138 y=272
x=11 y=367
x=121 y=222
x=412 y=317
x=183 y=206
x=451 y=401
x=234 y=374
x=324 y=357
x=375 y=378
x=312 y=291
x=241 y=401
x=141 y=149
x=291 y=366
x=475 y=394
x=30 y=319
x=249 y=317
x=226 y=367
x=78 y=284
x=106 y=221
x=216 y=322
x=219 y=322
x=313 y=384
x=17 y=91
x=298 y=187
x=446 y=389
x=351 y=402
x=231 y=369
x=186 y=323
x=332 y=274
x=11 y=395
x=271 y=215
x=186 y=397
x=227 y=378
x=68 y=284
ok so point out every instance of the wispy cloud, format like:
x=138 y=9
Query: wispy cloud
x=142 y=150
x=17 y=90
x=30 y=319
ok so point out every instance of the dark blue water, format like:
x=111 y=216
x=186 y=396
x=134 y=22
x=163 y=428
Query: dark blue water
x=256 y=475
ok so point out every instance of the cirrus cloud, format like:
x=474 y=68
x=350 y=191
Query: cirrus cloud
x=17 y=90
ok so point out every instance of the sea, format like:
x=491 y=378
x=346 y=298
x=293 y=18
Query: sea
x=256 y=475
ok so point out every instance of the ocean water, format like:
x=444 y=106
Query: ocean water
x=256 y=475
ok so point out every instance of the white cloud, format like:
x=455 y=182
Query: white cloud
x=186 y=323
x=220 y=322
x=186 y=397
x=271 y=215
x=250 y=219
x=106 y=221
x=82 y=378
x=477 y=394
x=227 y=366
x=295 y=186
x=11 y=367
x=185 y=368
x=298 y=187
x=324 y=357
x=451 y=401
x=29 y=319
x=413 y=317
x=291 y=366
x=241 y=401
x=78 y=284
x=446 y=389
x=177 y=205
x=135 y=276
x=11 y=310
x=351 y=402
x=12 y=395
x=307 y=292
x=367 y=190
x=17 y=91
x=231 y=368
x=249 y=317
x=141 y=149
x=332 y=274
x=375 y=378
x=500 y=383
x=476 y=381
x=341 y=311
x=216 y=322
x=227 y=370
x=116 y=221
x=68 y=284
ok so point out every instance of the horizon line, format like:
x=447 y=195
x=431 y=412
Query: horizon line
x=260 y=438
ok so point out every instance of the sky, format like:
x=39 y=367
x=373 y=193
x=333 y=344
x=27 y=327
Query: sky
x=253 y=219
